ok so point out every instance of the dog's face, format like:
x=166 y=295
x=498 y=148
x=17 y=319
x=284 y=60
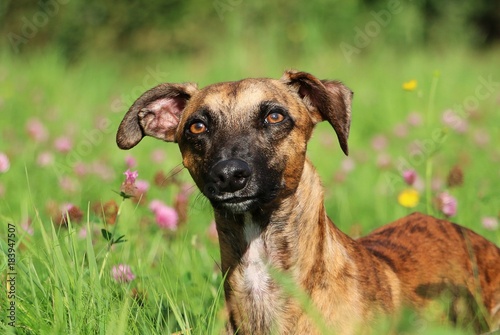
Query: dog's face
x=243 y=142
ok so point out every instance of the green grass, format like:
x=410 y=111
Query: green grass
x=178 y=286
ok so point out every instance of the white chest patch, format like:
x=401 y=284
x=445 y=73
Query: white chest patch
x=255 y=275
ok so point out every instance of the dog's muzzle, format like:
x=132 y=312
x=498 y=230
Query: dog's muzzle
x=226 y=185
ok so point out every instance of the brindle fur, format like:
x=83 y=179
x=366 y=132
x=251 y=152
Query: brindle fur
x=277 y=219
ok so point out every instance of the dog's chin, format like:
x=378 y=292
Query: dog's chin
x=239 y=203
x=236 y=205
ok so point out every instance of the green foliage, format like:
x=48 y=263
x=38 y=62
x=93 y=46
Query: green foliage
x=190 y=27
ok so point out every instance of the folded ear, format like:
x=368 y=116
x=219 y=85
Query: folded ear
x=326 y=100
x=156 y=113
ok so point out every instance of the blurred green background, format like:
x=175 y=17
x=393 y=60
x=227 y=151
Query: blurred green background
x=72 y=63
x=193 y=28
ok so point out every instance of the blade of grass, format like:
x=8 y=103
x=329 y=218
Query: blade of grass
x=428 y=160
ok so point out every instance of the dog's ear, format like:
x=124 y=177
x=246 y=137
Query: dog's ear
x=326 y=100
x=156 y=113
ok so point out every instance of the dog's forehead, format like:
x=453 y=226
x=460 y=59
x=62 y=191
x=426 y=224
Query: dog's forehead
x=231 y=97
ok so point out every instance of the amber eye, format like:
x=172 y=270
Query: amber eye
x=197 y=127
x=274 y=117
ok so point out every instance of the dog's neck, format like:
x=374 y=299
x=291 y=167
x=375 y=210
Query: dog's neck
x=292 y=239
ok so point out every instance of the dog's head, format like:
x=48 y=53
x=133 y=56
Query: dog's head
x=243 y=142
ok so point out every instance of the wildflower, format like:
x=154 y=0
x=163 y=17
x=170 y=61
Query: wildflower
x=409 y=198
x=27 y=227
x=45 y=158
x=410 y=176
x=410 y=85
x=160 y=179
x=400 y=130
x=379 y=142
x=109 y=212
x=128 y=187
x=69 y=212
x=481 y=138
x=80 y=169
x=63 y=144
x=455 y=177
x=165 y=216
x=437 y=183
x=4 y=163
x=447 y=204
x=340 y=176
x=348 y=164
x=419 y=184
x=53 y=210
x=122 y=273
x=36 y=130
x=158 y=156
x=139 y=296
x=489 y=222
x=181 y=202
x=452 y=119
x=68 y=185
x=130 y=161
x=384 y=160
x=131 y=176
x=142 y=186
x=82 y=234
x=414 y=119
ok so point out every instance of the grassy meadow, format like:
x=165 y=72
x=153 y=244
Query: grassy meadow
x=432 y=112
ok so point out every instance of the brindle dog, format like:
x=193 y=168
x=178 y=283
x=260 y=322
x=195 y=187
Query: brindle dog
x=244 y=144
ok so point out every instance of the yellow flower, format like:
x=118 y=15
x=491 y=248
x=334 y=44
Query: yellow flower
x=410 y=85
x=409 y=198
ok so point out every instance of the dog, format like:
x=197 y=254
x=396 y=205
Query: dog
x=244 y=144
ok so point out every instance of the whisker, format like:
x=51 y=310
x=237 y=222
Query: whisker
x=200 y=202
x=171 y=176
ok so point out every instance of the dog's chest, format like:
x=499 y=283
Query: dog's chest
x=256 y=279
x=253 y=289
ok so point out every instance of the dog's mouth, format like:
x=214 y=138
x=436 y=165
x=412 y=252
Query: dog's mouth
x=235 y=204
x=237 y=200
x=238 y=204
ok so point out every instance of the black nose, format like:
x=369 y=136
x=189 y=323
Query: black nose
x=228 y=176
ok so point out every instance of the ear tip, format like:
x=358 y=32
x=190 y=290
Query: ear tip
x=292 y=74
x=127 y=140
x=124 y=144
x=129 y=132
x=345 y=149
x=343 y=144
